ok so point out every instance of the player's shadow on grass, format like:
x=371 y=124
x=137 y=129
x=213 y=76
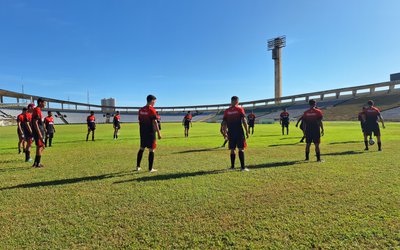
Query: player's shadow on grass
x=288 y=144
x=343 y=142
x=164 y=177
x=343 y=153
x=68 y=181
x=197 y=150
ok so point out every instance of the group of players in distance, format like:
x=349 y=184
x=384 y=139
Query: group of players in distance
x=234 y=128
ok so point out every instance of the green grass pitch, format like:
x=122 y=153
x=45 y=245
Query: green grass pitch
x=88 y=195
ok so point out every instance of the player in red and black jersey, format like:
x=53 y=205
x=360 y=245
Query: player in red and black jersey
x=148 y=129
x=232 y=127
x=251 y=118
x=38 y=131
x=284 y=121
x=314 y=128
x=49 y=128
x=371 y=116
x=361 y=118
x=27 y=130
x=20 y=132
x=116 y=124
x=187 y=123
x=91 y=123
x=300 y=120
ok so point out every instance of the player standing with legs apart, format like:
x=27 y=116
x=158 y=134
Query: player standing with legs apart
x=148 y=128
x=38 y=131
x=233 y=122
x=116 y=125
x=371 y=116
x=49 y=128
x=20 y=132
x=251 y=119
x=27 y=129
x=187 y=123
x=314 y=129
x=284 y=121
x=91 y=123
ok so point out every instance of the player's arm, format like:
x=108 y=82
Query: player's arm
x=224 y=129
x=183 y=121
x=246 y=127
x=156 y=128
x=45 y=127
x=381 y=119
x=29 y=127
x=321 y=124
x=54 y=128
x=299 y=120
x=19 y=126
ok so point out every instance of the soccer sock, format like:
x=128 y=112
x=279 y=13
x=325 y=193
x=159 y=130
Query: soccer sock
x=241 y=158
x=224 y=143
x=50 y=141
x=307 y=155
x=151 y=160
x=87 y=137
x=233 y=156
x=139 y=157
x=45 y=142
x=318 y=156
x=366 y=144
x=37 y=160
x=27 y=155
x=379 y=145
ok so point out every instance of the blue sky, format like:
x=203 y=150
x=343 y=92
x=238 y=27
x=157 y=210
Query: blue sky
x=193 y=52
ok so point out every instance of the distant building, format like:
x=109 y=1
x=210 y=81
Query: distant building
x=108 y=105
x=395 y=77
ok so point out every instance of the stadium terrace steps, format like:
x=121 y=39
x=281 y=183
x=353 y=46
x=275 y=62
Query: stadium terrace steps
x=348 y=111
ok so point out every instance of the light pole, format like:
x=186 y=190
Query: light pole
x=275 y=44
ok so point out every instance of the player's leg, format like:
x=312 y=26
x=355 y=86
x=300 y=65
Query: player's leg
x=151 y=160
x=225 y=141
x=283 y=129
x=366 y=140
x=51 y=135
x=287 y=129
x=39 y=150
x=92 y=134
x=139 y=158
x=233 y=158
x=317 y=151
x=378 y=137
x=28 y=149
x=88 y=133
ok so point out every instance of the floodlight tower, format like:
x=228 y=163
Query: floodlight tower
x=275 y=44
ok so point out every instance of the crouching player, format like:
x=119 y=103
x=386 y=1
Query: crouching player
x=233 y=122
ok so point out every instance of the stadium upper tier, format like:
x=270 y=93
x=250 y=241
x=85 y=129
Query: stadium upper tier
x=337 y=104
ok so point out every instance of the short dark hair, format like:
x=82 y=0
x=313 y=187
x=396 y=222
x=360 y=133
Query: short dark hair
x=312 y=102
x=92 y=112
x=40 y=100
x=371 y=103
x=49 y=112
x=24 y=109
x=234 y=98
x=150 y=98
x=117 y=112
x=188 y=111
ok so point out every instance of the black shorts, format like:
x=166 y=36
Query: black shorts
x=92 y=127
x=148 y=140
x=251 y=124
x=27 y=134
x=313 y=136
x=49 y=135
x=187 y=125
x=372 y=128
x=38 y=140
x=20 y=135
x=237 y=141
x=285 y=124
x=117 y=126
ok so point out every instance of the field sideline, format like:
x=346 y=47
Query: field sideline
x=88 y=195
